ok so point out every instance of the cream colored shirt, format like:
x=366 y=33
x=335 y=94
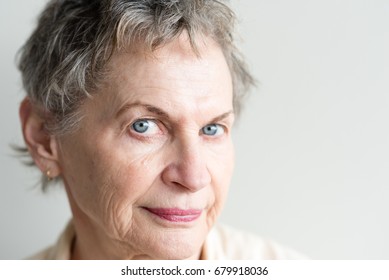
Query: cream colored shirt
x=222 y=243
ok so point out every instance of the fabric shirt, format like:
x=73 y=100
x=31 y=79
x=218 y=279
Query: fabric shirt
x=222 y=243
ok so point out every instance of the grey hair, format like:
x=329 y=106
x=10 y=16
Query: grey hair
x=63 y=62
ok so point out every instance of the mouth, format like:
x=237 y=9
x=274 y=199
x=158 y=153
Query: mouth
x=176 y=215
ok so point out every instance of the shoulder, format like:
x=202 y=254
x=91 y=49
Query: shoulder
x=42 y=255
x=60 y=250
x=224 y=242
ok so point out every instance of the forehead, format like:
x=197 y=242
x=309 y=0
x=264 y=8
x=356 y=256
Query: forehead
x=172 y=72
x=177 y=54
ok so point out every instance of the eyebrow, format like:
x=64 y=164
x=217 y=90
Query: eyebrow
x=148 y=107
x=162 y=113
x=222 y=116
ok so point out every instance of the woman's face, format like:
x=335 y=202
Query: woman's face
x=148 y=172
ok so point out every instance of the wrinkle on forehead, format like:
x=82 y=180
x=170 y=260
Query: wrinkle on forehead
x=172 y=69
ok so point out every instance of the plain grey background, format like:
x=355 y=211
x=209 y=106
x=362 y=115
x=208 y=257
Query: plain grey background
x=312 y=145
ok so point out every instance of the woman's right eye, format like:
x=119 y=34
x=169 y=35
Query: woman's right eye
x=145 y=127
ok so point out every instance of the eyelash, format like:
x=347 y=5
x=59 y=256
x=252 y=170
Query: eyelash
x=216 y=135
x=158 y=123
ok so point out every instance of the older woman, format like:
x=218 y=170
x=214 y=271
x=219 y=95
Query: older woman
x=131 y=105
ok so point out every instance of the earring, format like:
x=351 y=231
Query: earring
x=48 y=175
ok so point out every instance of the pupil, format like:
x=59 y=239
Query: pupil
x=210 y=129
x=140 y=126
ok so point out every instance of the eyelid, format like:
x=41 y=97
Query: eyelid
x=224 y=125
x=220 y=125
x=128 y=128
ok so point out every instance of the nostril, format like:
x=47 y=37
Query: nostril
x=187 y=167
x=189 y=176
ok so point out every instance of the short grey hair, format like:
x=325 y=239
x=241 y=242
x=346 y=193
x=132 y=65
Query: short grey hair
x=64 y=60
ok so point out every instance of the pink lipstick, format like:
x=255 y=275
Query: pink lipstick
x=175 y=214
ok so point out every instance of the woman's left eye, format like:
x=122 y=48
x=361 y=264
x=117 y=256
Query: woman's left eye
x=146 y=127
x=213 y=130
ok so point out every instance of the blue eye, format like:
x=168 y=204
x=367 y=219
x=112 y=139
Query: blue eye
x=146 y=127
x=212 y=129
x=141 y=126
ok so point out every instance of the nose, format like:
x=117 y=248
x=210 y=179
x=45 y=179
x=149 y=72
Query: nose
x=187 y=167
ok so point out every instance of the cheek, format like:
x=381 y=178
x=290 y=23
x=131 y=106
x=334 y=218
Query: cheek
x=223 y=165
x=127 y=178
x=105 y=180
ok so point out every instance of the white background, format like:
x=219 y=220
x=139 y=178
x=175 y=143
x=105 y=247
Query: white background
x=312 y=145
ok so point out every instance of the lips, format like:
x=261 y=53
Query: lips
x=176 y=214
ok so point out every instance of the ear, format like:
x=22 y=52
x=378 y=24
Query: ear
x=42 y=146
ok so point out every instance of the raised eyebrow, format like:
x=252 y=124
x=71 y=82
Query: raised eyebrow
x=148 y=107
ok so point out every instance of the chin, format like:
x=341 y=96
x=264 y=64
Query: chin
x=180 y=251
x=177 y=245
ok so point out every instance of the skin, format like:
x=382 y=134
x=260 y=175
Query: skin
x=113 y=173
